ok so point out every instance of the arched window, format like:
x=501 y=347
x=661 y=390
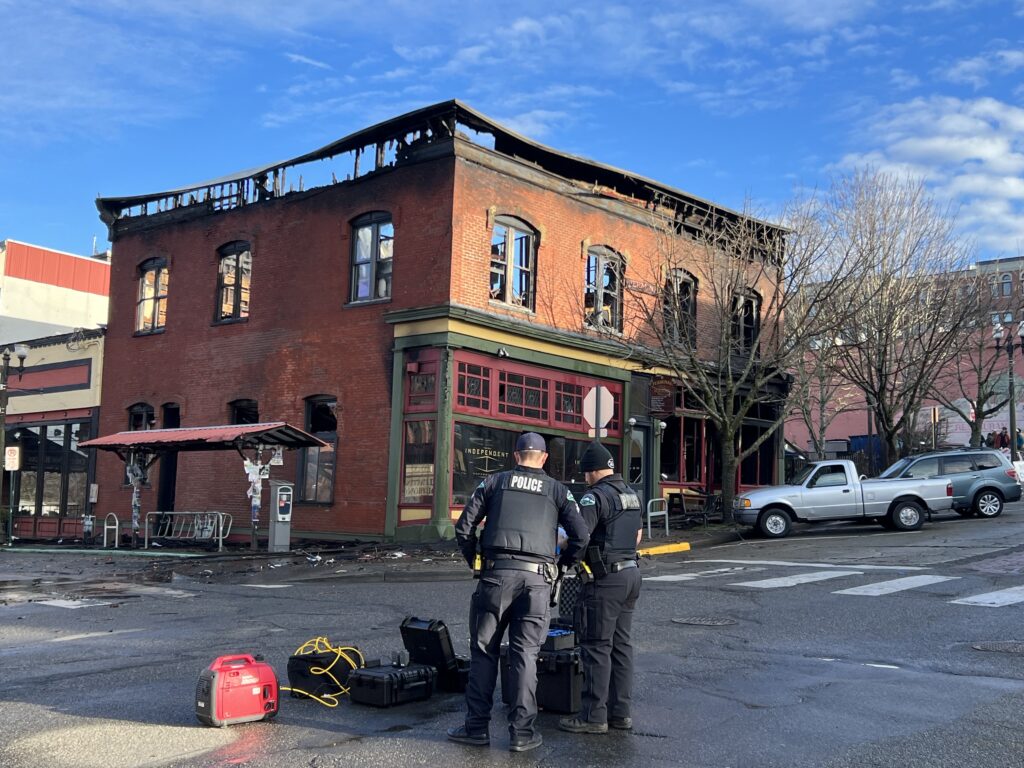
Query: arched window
x=602 y=298
x=151 y=305
x=318 y=464
x=679 y=306
x=513 y=263
x=141 y=416
x=244 y=411
x=1006 y=285
x=746 y=321
x=234 y=274
x=373 y=240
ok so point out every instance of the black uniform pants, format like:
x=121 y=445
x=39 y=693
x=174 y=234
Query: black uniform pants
x=517 y=601
x=606 y=623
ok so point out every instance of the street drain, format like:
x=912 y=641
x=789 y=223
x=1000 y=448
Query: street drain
x=1011 y=646
x=704 y=621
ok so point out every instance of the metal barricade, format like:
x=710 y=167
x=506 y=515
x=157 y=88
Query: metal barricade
x=657 y=508
x=115 y=527
x=189 y=526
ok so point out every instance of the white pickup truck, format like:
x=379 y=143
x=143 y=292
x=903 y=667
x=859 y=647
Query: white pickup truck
x=832 y=490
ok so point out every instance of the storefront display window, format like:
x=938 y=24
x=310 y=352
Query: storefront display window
x=418 y=457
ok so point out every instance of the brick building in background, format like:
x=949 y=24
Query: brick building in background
x=416 y=295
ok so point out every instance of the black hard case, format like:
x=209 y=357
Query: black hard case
x=559 y=680
x=429 y=642
x=389 y=686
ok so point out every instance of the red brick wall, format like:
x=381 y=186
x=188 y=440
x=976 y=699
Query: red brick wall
x=300 y=340
x=564 y=222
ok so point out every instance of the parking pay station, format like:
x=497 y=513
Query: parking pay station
x=281 y=494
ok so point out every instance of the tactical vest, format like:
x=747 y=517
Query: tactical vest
x=522 y=517
x=615 y=533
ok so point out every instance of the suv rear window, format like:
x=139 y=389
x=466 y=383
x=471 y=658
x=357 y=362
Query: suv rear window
x=954 y=464
x=986 y=460
x=923 y=468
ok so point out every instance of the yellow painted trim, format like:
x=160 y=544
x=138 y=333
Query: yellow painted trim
x=665 y=549
x=406 y=515
x=455 y=513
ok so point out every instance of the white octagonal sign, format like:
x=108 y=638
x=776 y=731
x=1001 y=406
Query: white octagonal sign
x=598 y=396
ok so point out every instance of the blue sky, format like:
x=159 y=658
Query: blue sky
x=738 y=101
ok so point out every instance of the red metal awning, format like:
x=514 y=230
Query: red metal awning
x=222 y=438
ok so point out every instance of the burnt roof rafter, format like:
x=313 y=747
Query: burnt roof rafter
x=441 y=121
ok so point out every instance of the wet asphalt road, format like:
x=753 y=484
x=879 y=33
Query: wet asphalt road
x=795 y=672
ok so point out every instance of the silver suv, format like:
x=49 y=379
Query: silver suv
x=982 y=479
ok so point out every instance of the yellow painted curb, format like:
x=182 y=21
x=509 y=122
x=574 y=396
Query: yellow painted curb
x=665 y=549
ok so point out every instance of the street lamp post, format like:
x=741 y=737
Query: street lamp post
x=21 y=352
x=1008 y=346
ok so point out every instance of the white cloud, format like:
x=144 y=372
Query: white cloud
x=813 y=14
x=976 y=71
x=903 y=80
x=535 y=123
x=419 y=54
x=970 y=151
x=297 y=58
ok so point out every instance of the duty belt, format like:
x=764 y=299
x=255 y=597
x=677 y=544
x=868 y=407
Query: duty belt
x=514 y=565
x=621 y=566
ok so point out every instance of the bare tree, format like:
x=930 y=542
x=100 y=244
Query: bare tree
x=967 y=383
x=736 y=306
x=819 y=392
x=911 y=315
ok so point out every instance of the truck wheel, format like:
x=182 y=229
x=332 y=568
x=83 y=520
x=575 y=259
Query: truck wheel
x=774 y=523
x=906 y=516
x=988 y=503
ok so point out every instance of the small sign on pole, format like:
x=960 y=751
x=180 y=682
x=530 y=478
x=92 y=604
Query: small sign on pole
x=12 y=458
x=593 y=432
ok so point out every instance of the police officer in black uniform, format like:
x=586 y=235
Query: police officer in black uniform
x=612 y=511
x=523 y=508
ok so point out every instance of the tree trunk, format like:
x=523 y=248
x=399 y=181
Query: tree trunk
x=728 y=455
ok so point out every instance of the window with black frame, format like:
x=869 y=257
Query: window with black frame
x=151 y=303
x=418 y=462
x=318 y=465
x=234 y=275
x=373 y=240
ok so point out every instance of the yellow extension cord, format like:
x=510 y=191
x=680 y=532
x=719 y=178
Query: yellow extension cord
x=323 y=645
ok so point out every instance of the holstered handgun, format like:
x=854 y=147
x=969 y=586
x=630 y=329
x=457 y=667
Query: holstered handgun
x=556 y=588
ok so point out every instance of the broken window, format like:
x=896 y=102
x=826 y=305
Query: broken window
x=141 y=416
x=318 y=464
x=603 y=294
x=234 y=274
x=373 y=238
x=513 y=263
x=244 y=412
x=680 y=307
x=151 y=306
x=746 y=322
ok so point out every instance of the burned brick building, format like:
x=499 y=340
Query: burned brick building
x=416 y=295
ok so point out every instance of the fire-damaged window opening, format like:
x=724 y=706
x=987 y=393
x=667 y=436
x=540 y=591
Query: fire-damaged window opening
x=244 y=411
x=680 y=306
x=513 y=263
x=151 y=307
x=603 y=294
x=746 y=321
x=373 y=240
x=317 y=467
x=234 y=276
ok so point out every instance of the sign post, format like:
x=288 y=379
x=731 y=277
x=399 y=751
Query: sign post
x=598 y=405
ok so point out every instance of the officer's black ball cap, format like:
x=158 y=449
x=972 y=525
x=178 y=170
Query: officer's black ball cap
x=530 y=441
x=596 y=457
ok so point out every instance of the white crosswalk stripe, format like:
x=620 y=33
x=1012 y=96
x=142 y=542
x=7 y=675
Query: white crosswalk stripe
x=894 y=585
x=800 y=578
x=994 y=599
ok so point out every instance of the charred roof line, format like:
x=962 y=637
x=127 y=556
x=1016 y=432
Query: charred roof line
x=425 y=125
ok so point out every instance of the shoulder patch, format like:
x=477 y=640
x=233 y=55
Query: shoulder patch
x=481 y=485
x=568 y=495
x=588 y=500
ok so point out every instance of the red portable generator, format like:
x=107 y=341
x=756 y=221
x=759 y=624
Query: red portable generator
x=236 y=689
